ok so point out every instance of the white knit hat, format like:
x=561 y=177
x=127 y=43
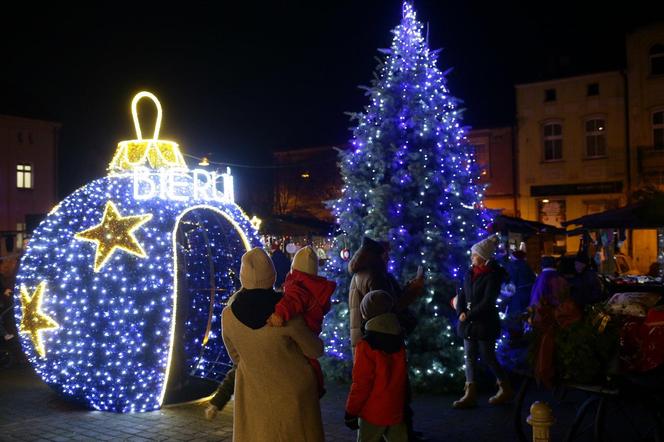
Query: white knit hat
x=257 y=270
x=306 y=261
x=486 y=248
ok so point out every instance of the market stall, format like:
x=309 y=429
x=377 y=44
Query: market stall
x=610 y=229
x=609 y=354
x=540 y=239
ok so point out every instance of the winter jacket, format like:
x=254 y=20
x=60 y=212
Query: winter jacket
x=370 y=273
x=522 y=276
x=281 y=266
x=585 y=288
x=478 y=300
x=378 y=392
x=306 y=295
x=553 y=308
x=225 y=390
x=549 y=288
x=276 y=393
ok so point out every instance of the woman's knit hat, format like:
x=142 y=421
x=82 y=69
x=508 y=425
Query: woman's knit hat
x=487 y=247
x=257 y=270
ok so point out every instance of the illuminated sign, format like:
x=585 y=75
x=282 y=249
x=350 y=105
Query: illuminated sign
x=180 y=184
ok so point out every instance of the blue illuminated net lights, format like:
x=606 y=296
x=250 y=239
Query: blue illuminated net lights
x=210 y=254
x=410 y=178
x=113 y=342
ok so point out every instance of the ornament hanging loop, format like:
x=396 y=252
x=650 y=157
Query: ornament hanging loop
x=134 y=114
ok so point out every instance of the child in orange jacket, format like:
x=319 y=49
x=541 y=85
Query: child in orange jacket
x=377 y=397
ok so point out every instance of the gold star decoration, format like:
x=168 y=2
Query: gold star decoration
x=33 y=320
x=114 y=232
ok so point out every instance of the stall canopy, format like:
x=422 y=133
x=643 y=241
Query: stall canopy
x=504 y=223
x=646 y=214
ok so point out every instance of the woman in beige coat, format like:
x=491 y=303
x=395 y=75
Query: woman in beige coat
x=276 y=394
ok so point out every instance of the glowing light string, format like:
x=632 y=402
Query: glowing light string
x=114 y=232
x=247 y=246
x=34 y=321
x=157 y=153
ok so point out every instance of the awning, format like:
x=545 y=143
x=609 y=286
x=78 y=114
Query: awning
x=647 y=214
x=504 y=223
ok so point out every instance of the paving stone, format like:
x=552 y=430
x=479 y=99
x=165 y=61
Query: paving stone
x=36 y=413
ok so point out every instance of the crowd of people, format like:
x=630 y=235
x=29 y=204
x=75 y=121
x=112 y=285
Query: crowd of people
x=270 y=328
x=271 y=325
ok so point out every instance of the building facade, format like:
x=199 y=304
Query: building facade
x=303 y=180
x=494 y=153
x=585 y=143
x=28 y=183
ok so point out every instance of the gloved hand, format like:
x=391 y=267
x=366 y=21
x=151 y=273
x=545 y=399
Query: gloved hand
x=351 y=421
x=211 y=412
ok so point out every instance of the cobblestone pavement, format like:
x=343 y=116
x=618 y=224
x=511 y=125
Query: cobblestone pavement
x=29 y=410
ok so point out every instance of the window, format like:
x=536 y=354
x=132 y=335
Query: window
x=550 y=95
x=658 y=129
x=552 y=212
x=553 y=142
x=20 y=235
x=593 y=90
x=482 y=160
x=24 y=176
x=595 y=138
x=30 y=138
x=19 y=137
x=657 y=59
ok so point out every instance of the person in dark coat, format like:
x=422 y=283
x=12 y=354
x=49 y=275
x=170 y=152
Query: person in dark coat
x=222 y=396
x=479 y=323
x=585 y=287
x=522 y=278
x=282 y=265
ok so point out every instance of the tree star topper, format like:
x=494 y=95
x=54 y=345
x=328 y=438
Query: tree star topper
x=114 y=232
x=34 y=321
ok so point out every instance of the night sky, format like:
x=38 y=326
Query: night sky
x=242 y=79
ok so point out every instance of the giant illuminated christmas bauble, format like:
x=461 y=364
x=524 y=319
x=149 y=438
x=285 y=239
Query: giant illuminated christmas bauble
x=130 y=273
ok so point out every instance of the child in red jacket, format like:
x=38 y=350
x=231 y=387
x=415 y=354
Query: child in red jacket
x=378 y=393
x=308 y=295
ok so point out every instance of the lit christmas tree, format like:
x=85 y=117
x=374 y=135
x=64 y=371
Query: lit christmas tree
x=410 y=178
